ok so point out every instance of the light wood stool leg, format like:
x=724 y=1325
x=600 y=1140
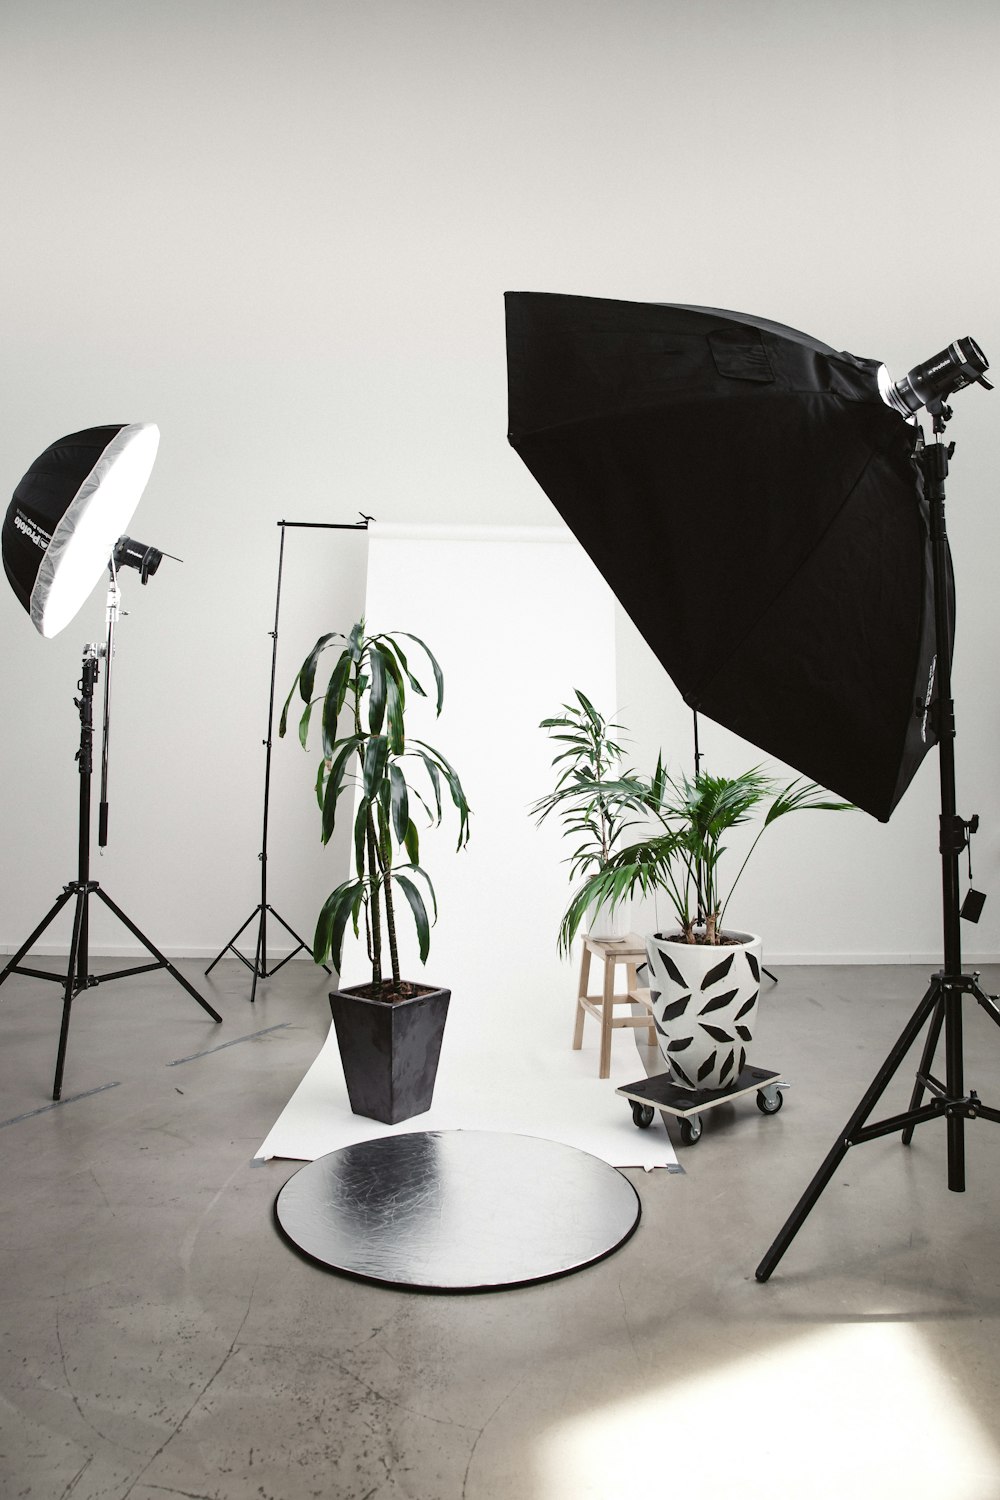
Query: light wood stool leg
x=580 y=1012
x=607 y=1012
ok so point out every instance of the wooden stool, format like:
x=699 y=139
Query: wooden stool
x=630 y=951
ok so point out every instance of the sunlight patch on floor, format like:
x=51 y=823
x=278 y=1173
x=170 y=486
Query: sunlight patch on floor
x=864 y=1410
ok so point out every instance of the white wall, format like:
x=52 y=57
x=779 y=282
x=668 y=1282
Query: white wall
x=283 y=231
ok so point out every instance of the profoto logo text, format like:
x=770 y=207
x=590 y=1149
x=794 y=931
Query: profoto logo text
x=32 y=532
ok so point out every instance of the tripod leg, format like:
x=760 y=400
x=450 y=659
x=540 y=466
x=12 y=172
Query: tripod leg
x=76 y=948
x=843 y=1142
x=260 y=955
x=27 y=946
x=988 y=1003
x=238 y=933
x=165 y=962
x=926 y=1059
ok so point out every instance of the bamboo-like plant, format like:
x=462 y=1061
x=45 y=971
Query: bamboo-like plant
x=594 y=794
x=370 y=750
x=682 y=855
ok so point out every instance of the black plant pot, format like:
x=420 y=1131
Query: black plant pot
x=390 y=1051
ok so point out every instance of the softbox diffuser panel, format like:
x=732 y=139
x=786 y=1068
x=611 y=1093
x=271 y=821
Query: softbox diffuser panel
x=754 y=505
x=68 y=512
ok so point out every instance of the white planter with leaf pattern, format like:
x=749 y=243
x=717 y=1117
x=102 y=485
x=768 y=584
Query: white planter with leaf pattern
x=704 y=1005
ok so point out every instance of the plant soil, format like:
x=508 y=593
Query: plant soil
x=387 y=991
x=723 y=940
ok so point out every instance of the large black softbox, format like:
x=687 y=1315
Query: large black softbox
x=753 y=502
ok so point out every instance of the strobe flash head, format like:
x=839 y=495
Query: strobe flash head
x=129 y=553
x=930 y=384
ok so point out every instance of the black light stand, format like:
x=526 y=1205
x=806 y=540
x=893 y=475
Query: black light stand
x=941 y=1006
x=261 y=911
x=83 y=888
x=698 y=757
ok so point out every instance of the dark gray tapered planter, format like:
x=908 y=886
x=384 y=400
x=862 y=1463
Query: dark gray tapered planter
x=390 y=1051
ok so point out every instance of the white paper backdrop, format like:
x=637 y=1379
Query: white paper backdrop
x=517 y=620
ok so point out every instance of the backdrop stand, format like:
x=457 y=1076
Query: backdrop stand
x=941 y=1006
x=263 y=910
x=77 y=976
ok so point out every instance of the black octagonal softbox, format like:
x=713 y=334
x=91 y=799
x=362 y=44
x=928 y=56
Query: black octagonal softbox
x=753 y=503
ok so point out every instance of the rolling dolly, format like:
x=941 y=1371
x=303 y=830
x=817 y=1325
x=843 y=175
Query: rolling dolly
x=688 y=1105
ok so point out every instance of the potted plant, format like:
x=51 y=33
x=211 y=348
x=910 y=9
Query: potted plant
x=595 y=798
x=389 y=1030
x=704 y=978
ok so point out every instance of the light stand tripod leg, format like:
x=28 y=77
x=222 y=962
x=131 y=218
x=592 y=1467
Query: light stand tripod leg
x=923 y=1071
x=846 y=1139
x=230 y=945
x=988 y=1003
x=164 y=963
x=29 y=943
x=72 y=985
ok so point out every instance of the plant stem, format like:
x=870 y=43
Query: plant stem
x=374 y=902
x=390 y=914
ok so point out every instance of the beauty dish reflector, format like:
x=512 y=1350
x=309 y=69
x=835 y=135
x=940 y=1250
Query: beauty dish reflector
x=67 y=514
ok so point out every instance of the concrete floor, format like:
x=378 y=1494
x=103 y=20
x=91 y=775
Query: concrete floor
x=159 y=1338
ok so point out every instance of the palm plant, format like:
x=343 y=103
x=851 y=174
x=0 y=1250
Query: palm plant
x=370 y=751
x=682 y=856
x=594 y=794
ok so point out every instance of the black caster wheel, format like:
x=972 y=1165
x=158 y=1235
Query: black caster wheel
x=691 y=1129
x=642 y=1114
x=770 y=1106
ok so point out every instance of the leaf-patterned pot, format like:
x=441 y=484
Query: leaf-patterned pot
x=704 y=1004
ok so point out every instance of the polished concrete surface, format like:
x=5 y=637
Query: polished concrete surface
x=160 y=1338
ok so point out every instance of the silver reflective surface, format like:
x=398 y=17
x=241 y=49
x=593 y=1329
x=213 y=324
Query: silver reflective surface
x=458 y=1210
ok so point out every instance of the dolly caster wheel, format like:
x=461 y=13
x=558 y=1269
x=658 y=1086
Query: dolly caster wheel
x=691 y=1128
x=769 y=1101
x=642 y=1114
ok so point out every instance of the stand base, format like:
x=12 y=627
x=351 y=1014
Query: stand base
x=939 y=1008
x=77 y=977
x=457 y=1210
x=258 y=967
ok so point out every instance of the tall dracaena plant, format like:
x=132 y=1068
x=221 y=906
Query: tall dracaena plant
x=369 y=680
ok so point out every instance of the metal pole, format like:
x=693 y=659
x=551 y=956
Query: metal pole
x=942 y=1003
x=260 y=914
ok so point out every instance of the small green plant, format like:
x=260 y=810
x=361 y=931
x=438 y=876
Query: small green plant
x=682 y=856
x=364 y=743
x=595 y=796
